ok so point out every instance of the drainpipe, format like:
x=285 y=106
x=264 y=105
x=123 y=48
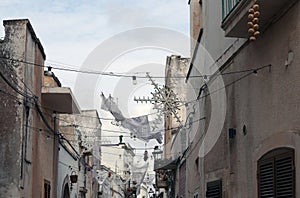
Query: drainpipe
x=84 y=181
x=24 y=144
x=55 y=156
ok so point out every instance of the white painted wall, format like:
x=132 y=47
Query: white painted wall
x=66 y=164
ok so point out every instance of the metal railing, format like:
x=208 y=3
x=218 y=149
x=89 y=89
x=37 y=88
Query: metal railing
x=227 y=6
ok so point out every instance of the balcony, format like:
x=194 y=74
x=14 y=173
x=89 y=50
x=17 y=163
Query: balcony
x=59 y=99
x=228 y=5
x=235 y=15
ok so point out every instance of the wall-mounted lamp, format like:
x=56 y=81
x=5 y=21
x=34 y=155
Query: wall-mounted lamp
x=151 y=192
x=73 y=177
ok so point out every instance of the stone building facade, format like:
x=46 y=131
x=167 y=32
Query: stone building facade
x=18 y=117
x=29 y=110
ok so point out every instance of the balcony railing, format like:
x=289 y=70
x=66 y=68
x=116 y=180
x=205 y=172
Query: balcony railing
x=227 y=6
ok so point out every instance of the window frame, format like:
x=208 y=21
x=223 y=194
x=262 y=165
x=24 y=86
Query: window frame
x=47 y=189
x=273 y=157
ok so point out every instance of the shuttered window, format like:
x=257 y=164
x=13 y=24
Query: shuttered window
x=276 y=176
x=214 y=189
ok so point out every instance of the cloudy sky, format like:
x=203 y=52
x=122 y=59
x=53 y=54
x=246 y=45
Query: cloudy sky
x=71 y=30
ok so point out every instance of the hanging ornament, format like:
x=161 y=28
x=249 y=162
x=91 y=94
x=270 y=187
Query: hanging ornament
x=253 y=17
x=165 y=101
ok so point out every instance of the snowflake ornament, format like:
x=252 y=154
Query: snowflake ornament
x=165 y=101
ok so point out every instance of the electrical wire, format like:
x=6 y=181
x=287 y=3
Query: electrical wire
x=251 y=71
x=69 y=166
x=40 y=113
x=162 y=130
x=186 y=103
x=110 y=73
x=86 y=71
x=56 y=133
x=13 y=87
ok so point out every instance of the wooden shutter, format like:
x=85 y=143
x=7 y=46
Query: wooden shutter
x=284 y=171
x=214 y=189
x=266 y=179
x=276 y=174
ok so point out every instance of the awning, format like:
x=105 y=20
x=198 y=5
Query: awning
x=165 y=164
x=59 y=99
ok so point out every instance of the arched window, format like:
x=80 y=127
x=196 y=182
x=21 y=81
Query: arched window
x=276 y=175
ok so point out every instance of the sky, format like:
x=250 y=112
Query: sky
x=79 y=33
x=70 y=29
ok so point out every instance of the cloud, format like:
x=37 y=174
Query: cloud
x=69 y=30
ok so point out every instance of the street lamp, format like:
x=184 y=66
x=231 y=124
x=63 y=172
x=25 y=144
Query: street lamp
x=151 y=193
x=157 y=153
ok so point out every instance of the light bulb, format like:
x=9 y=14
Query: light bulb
x=134 y=81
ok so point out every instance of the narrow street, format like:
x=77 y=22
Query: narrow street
x=150 y=99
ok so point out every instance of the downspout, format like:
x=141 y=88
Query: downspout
x=24 y=144
x=84 y=175
x=27 y=110
x=55 y=156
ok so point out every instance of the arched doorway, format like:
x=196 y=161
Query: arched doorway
x=66 y=191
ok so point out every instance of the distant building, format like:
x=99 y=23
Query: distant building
x=176 y=70
x=176 y=137
x=119 y=160
x=84 y=132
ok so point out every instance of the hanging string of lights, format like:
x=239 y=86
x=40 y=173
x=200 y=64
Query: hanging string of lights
x=112 y=74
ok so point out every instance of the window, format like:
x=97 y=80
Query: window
x=227 y=6
x=276 y=176
x=214 y=189
x=196 y=195
x=235 y=15
x=197 y=163
x=47 y=189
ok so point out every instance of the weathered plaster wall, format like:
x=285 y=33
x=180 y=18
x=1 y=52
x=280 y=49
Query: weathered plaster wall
x=14 y=171
x=66 y=166
x=195 y=22
x=27 y=146
x=267 y=104
x=89 y=125
x=176 y=70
